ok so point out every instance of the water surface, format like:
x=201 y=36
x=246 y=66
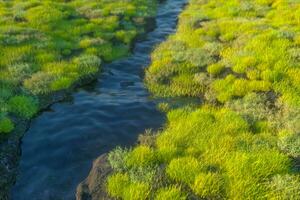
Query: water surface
x=61 y=144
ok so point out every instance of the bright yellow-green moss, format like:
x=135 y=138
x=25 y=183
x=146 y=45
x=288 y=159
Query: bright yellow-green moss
x=184 y=169
x=117 y=183
x=120 y=186
x=47 y=46
x=172 y=193
x=136 y=191
x=210 y=185
x=141 y=156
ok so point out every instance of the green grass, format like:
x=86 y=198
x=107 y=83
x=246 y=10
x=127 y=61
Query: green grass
x=49 y=46
x=184 y=169
x=171 y=193
x=209 y=185
x=23 y=106
x=117 y=184
x=215 y=153
x=140 y=156
x=6 y=125
x=121 y=186
x=242 y=59
x=244 y=48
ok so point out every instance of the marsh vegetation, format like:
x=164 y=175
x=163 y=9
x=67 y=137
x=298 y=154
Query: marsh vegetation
x=49 y=46
x=242 y=59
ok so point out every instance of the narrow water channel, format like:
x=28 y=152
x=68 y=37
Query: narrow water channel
x=61 y=144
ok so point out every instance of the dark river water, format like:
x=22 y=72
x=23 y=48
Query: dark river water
x=61 y=144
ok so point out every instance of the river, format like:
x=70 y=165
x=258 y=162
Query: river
x=61 y=144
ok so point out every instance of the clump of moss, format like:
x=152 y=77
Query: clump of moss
x=117 y=183
x=141 y=156
x=6 y=125
x=184 y=169
x=120 y=186
x=23 y=106
x=171 y=193
x=209 y=185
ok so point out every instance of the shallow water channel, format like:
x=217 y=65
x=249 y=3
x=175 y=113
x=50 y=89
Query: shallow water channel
x=61 y=144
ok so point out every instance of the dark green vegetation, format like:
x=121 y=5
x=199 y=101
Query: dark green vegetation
x=242 y=57
x=49 y=46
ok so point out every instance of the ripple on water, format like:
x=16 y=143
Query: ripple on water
x=58 y=149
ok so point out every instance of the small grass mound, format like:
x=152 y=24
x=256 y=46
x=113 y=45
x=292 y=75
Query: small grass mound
x=6 y=125
x=210 y=185
x=120 y=186
x=23 y=106
x=172 y=193
x=141 y=156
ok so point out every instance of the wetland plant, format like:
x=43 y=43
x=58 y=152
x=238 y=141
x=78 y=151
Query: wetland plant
x=242 y=59
x=49 y=46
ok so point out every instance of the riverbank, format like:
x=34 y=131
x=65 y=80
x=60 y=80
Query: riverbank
x=27 y=91
x=242 y=142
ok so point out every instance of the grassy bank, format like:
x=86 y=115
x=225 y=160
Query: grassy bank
x=49 y=46
x=242 y=59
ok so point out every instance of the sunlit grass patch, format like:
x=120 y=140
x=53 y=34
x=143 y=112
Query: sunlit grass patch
x=141 y=157
x=213 y=152
x=209 y=185
x=50 y=46
x=171 y=193
x=242 y=59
